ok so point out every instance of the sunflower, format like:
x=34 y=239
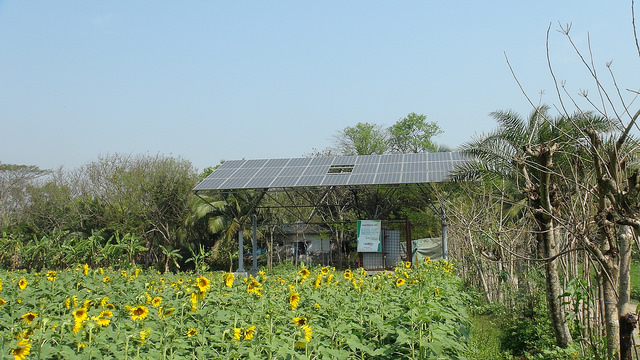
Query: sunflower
x=29 y=317
x=249 y=332
x=304 y=272
x=192 y=332
x=237 y=333
x=51 y=275
x=139 y=312
x=21 y=352
x=348 y=274
x=194 y=302
x=203 y=284
x=80 y=315
x=300 y=321
x=22 y=284
x=228 y=280
x=103 y=318
x=156 y=301
x=307 y=332
x=162 y=313
x=25 y=334
x=106 y=279
x=2 y=302
x=104 y=301
x=407 y=264
x=87 y=304
x=400 y=282
x=294 y=299
x=324 y=270
x=329 y=278
x=254 y=287
x=143 y=335
x=85 y=269
x=318 y=281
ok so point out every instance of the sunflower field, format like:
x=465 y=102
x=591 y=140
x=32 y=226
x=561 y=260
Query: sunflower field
x=414 y=312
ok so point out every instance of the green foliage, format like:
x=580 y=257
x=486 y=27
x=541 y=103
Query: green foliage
x=411 y=313
x=484 y=341
x=62 y=249
x=413 y=134
x=635 y=280
x=528 y=329
x=362 y=139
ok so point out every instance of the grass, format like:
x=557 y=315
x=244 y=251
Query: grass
x=484 y=338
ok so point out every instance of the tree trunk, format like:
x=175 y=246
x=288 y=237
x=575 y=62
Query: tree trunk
x=627 y=320
x=476 y=262
x=611 y=313
x=554 y=302
x=628 y=323
x=544 y=212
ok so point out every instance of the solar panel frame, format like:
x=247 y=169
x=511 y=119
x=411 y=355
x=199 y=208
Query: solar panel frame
x=314 y=172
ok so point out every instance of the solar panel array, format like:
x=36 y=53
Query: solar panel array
x=350 y=170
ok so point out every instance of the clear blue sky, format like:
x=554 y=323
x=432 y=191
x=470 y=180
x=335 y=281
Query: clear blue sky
x=221 y=80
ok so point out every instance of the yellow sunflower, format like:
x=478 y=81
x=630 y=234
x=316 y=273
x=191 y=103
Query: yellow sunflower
x=22 y=284
x=307 y=332
x=2 y=302
x=237 y=333
x=348 y=274
x=103 y=318
x=400 y=282
x=21 y=352
x=80 y=315
x=194 y=301
x=192 y=332
x=304 y=272
x=324 y=270
x=300 y=321
x=139 y=312
x=203 y=283
x=29 y=317
x=228 y=280
x=329 y=278
x=156 y=301
x=51 y=275
x=163 y=313
x=294 y=299
x=143 y=335
x=254 y=287
x=249 y=332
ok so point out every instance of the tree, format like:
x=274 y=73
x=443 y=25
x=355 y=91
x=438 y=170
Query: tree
x=143 y=195
x=225 y=216
x=362 y=139
x=413 y=134
x=533 y=154
x=14 y=182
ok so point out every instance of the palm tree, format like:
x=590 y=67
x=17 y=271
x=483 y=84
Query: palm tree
x=532 y=154
x=225 y=216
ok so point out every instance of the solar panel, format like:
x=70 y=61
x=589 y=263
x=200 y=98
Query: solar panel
x=336 y=170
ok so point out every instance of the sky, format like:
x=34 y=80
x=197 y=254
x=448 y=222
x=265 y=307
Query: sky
x=209 y=81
